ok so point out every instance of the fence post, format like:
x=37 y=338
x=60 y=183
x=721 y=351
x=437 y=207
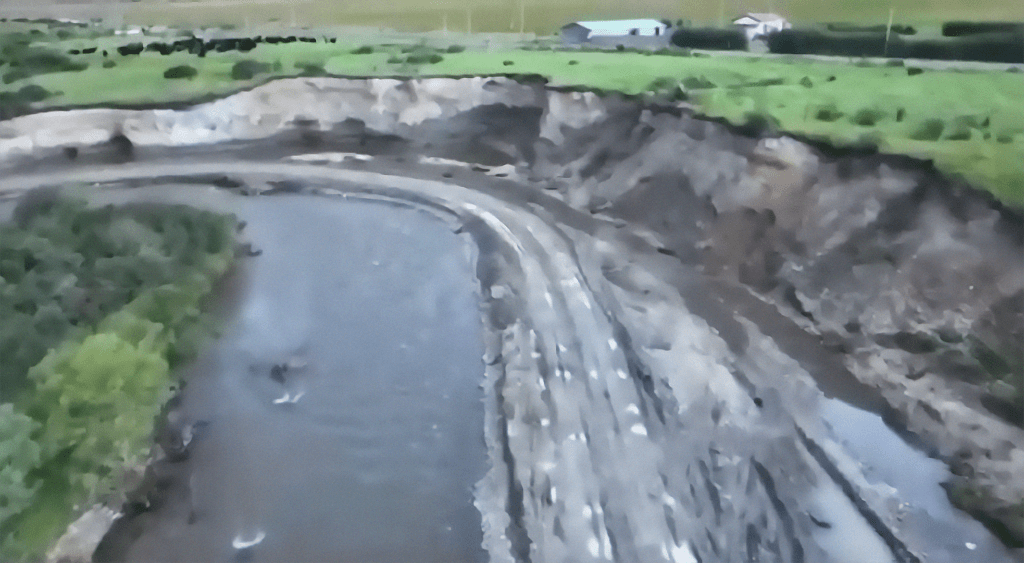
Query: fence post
x=888 y=28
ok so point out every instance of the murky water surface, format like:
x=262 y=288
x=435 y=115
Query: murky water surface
x=365 y=441
x=370 y=450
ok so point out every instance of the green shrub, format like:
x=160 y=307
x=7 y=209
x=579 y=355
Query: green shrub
x=28 y=61
x=130 y=49
x=395 y=60
x=868 y=117
x=18 y=102
x=364 y=50
x=424 y=58
x=929 y=130
x=33 y=93
x=455 y=49
x=109 y=64
x=247 y=69
x=828 y=113
x=45 y=61
x=806 y=82
x=180 y=72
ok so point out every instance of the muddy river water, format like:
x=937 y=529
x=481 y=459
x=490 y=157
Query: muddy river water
x=370 y=450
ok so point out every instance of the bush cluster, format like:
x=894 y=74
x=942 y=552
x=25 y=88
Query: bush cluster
x=179 y=72
x=96 y=307
x=25 y=61
x=247 y=69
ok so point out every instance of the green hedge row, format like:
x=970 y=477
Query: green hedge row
x=99 y=305
x=961 y=28
x=710 y=38
x=991 y=47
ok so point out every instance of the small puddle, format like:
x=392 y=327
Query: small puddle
x=888 y=461
x=368 y=451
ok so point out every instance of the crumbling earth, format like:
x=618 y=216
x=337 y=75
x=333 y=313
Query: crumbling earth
x=670 y=303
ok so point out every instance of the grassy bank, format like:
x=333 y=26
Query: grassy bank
x=969 y=123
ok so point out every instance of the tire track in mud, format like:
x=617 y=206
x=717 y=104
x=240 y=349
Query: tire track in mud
x=595 y=454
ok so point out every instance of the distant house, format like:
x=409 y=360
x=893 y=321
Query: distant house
x=583 y=32
x=760 y=25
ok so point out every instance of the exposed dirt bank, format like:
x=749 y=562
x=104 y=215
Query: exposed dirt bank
x=896 y=290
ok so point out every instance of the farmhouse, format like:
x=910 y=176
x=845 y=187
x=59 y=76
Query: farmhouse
x=583 y=32
x=760 y=25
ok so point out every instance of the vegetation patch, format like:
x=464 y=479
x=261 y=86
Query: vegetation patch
x=99 y=305
x=868 y=117
x=828 y=114
x=182 y=71
x=424 y=58
x=929 y=130
x=247 y=69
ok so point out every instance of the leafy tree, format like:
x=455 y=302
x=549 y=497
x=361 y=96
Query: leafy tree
x=96 y=307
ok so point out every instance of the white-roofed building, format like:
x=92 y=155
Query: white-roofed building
x=760 y=25
x=582 y=32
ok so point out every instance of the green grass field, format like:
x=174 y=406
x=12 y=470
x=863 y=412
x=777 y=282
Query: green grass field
x=970 y=123
x=545 y=17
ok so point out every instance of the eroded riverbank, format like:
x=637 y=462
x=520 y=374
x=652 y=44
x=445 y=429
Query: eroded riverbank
x=656 y=375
